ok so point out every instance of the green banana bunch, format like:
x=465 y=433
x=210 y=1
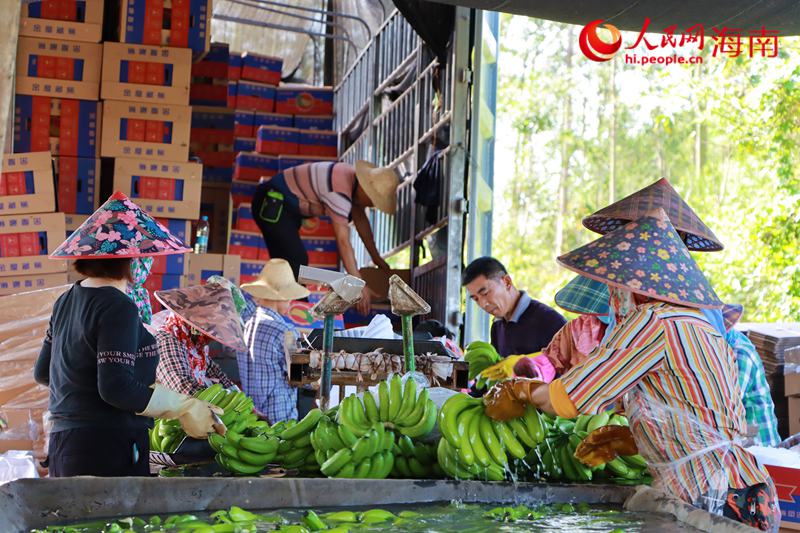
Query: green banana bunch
x=246 y=453
x=295 y=450
x=166 y=435
x=399 y=407
x=480 y=355
x=415 y=460
x=340 y=453
x=480 y=446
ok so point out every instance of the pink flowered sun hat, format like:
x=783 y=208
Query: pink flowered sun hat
x=119 y=229
x=646 y=257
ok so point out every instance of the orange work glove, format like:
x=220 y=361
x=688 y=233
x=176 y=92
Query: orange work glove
x=508 y=399
x=604 y=444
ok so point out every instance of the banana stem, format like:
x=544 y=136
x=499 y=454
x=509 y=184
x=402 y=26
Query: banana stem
x=408 y=343
x=327 y=364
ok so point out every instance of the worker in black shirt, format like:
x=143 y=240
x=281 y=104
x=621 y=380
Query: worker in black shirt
x=522 y=325
x=99 y=360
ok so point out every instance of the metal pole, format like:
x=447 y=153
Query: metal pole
x=408 y=343
x=327 y=364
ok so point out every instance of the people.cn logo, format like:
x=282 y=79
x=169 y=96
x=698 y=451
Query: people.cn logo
x=595 y=48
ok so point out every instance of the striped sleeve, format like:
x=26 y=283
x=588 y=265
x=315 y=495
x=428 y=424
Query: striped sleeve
x=334 y=186
x=636 y=348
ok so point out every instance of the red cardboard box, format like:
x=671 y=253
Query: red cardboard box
x=243 y=123
x=787 y=484
x=213 y=94
x=15 y=284
x=203 y=266
x=26 y=185
x=212 y=125
x=63 y=69
x=250 y=270
x=251 y=166
x=255 y=96
x=272 y=119
x=163 y=189
x=324 y=123
x=322 y=253
x=156 y=131
x=234 y=67
x=27 y=240
x=317 y=227
x=78 y=180
x=304 y=100
x=244 y=144
x=248 y=245
x=143 y=73
x=214 y=64
x=244 y=218
x=277 y=140
x=70 y=21
x=65 y=127
x=318 y=143
x=178 y=23
x=161 y=282
x=174 y=264
x=264 y=69
x=242 y=192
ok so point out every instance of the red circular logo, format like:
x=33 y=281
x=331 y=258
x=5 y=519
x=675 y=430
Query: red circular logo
x=595 y=48
x=304 y=101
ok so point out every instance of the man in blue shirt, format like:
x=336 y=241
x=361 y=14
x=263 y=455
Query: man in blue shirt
x=522 y=325
x=264 y=367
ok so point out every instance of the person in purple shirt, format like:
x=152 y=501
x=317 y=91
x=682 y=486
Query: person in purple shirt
x=521 y=324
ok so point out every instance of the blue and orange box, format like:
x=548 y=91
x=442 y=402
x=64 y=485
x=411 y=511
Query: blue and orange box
x=174 y=264
x=253 y=96
x=242 y=192
x=244 y=218
x=179 y=23
x=251 y=166
x=250 y=270
x=277 y=140
x=243 y=123
x=62 y=126
x=78 y=186
x=212 y=125
x=260 y=68
x=317 y=143
x=69 y=20
x=244 y=144
x=304 y=100
x=213 y=65
x=317 y=227
x=324 y=123
x=322 y=253
x=248 y=245
x=61 y=69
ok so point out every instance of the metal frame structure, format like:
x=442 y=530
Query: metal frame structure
x=388 y=112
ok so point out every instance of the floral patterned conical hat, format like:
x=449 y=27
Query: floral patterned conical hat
x=119 y=229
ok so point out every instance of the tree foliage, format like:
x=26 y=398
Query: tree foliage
x=725 y=133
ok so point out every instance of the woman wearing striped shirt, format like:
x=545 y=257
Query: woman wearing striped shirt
x=674 y=370
x=337 y=190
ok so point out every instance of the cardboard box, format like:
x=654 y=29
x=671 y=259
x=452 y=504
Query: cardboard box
x=213 y=94
x=251 y=166
x=263 y=69
x=378 y=279
x=155 y=131
x=143 y=73
x=322 y=253
x=73 y=222
x=27 y=240
x=272 y=119
x=78 y=184
x=212 y=125
x=794 y=414
x=242 y=191
x=234 y=67
x=189 y=23
x=244 y=218
x=25 y=318
x=304 y=100
x=244 y=144
x=255 y=96
x=233 y=89
x=324 y=123
x=248 y=245
x=62 y=69
x=214 y=64
x=317 y=227
x=250 y=270
x=26 y=185
x=76 y=131
x=163 y=189
x=217 y=175
x=318 y=143
x=16 y=284
x=277 y=140
x=215 y=203
x=792 y=384
x=291 y=161
x=202 y=266
x=161 y=282
x=787 y=485
x=70 y=21
x=243 y=123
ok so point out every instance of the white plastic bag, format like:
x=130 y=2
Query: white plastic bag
x=17 y=464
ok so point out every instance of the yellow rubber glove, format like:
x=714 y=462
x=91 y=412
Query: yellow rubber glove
x=504 y=369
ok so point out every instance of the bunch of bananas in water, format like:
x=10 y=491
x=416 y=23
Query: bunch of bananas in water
x=473 y=446
x=554 y=458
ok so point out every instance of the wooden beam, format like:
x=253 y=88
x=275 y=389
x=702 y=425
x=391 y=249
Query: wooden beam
x=8 y=66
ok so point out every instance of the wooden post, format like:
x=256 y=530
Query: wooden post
x=8 y=65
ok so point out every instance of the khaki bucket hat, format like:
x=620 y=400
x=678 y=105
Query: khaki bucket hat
x=276 y=282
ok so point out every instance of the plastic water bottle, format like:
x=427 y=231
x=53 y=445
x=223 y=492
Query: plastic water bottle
x=201 y=236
